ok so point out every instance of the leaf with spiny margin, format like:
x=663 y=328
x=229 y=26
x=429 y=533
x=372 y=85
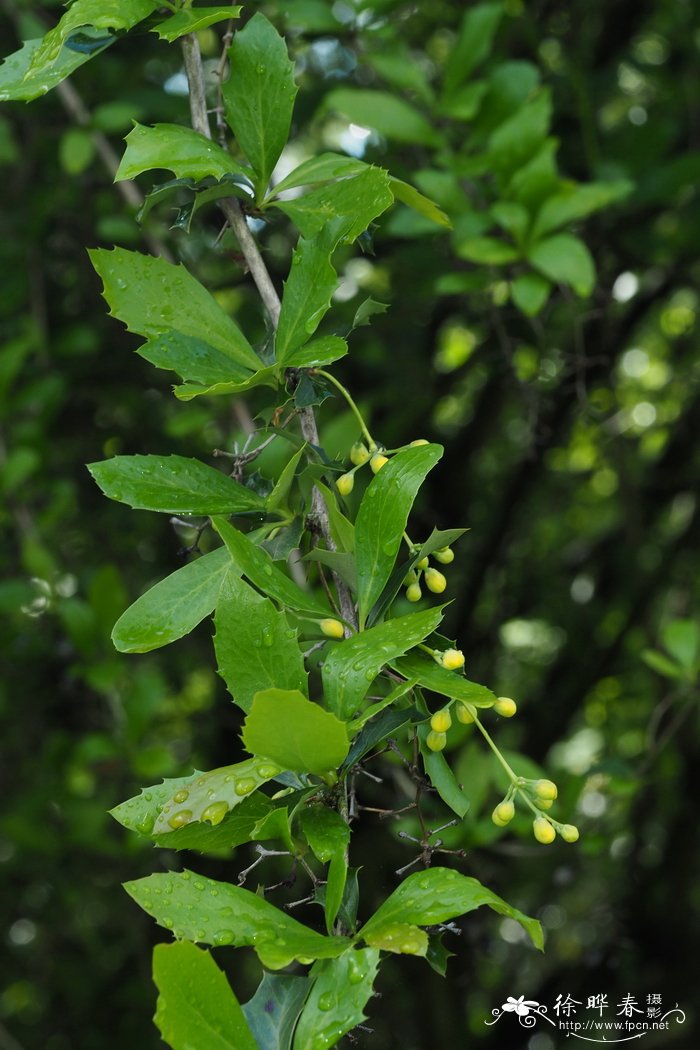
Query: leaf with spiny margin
x=152 y=296
x=381 y=519
x=196 y=1009
x=257 y=566
x=255 y=646
x=353 y=664
x=191 y=21
x=328 y=835
x=210 y=796
x=401 y=938
x=430 y=675
x=100 y=14
x=173 y=607
x=172 y=147
x=382 y=725
x=337 y=999
x=437 y=539
x=263 y=377
x=173 y=485
x=441 y=894
x=273 y=1011
x=410 y=196
x=18 y=83
x=363 y=196
x=141 y=812
x=298 y=735
x=307 y=294
x=321 y=351
x=259 y=95
x=200 y=909
x=324 y=168
x=441 y=776
x=193 y=359
x=275 y=825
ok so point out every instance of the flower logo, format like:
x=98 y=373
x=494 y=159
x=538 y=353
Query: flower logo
x=520 y=1006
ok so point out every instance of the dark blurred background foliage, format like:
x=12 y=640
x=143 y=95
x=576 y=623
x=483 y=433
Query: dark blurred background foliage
x=571 y=454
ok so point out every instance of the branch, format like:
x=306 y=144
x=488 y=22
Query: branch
x=268 y=293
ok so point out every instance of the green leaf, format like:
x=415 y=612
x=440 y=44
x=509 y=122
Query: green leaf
x=199 y=909
x=389 y=115
x=381 y=519
x=307 y=294
x=191 y=21
x=409 y=195
x=319 y=352
x=661 y=664
x=441 y=776
x=76 y=150
x=193 y=359
x=441 y=894
x=18 y=83
x=438 y=538
x=366 y=311
x=210 y=796
x=513 y=217
x=294 y=732
x=337 y=999
x=197 y=1009
x=473 y=43
x=152 y=296
x=342 y=529
x=355 y=201
x=574 y=201
x=100 y=14
x=172 y=147
x=263 y=377
x=257 y=566
x=280 y=493
x=486 y=250
x=255 y=646
x=438 y=679
x=353 y=664
x=173 y=607
x=140 y=813
x=275 y=825
x=328 y=836
x=530 y=292
x=273 y=1011
x=379 y=724
x=400 y=937
x=259 y=95
x=437 y=954
x=520 y=135
x=239 y=826
x=324 y=168
x=173 y=485
x=565 y=260
x=681 y=638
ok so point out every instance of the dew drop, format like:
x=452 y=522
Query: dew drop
x=326 y=1001
x=185 y=875
x=214 y=813
x=244 y=786
x=178 y=820
x=168 y=923
x=181 y=796
x=268 y=770
x=201 y=934
x=199 y=885
x=223 y=937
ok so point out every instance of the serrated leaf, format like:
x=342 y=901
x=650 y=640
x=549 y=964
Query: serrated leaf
x=273 y=1011
x=353 y=664
x=377 y=724
x=237 y=827
x=193 y=359
x=192 y=21
x=473 y=43
x=575 y=201
x=196 y=1009
x=324 y=168
x=199 y=909
x=381 y=519
x=328 y=836
x=19 y=83
x=366 y=310
x=140 y=813
x=337 y=999
x=410 y=196
x=263 y=377
x=319 y=352
x=275 y=825
x=259 y=95
x=441 y=776
x=391 y=116
x=152 y=296
x=437 y=954
x=294 y=732
x=173 y=607
x=257 y=566
x=530 y=292
x=210 y=796
x=99 y=14
x=565 y=260
x=175 y=148
x=255 y=646
x=355 y=201
x=173 y=485
x=401 y=938
x=307 y=294
x=441 y=894
x=438 y=679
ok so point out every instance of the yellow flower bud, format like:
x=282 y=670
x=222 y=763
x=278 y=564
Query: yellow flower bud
x=414 y=593
x=503 y=814
x=464 y=714
x=452 y=659
x=435 y=581
x=441 y=721
x=569 y=832
x=436 y=741
x=444 y=556
x=544 y=803
x=377 y=462
x=345 y=484
x=418 y=441
x=410 y=577
x=505 y=707
x=422 y=564
x=543 y=831
x=332 y=628
x=545 y=789
x=359 y=454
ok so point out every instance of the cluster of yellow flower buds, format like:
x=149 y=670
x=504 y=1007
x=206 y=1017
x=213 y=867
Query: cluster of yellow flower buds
x=361 y=454
x=542 y=794
x=434 y=580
